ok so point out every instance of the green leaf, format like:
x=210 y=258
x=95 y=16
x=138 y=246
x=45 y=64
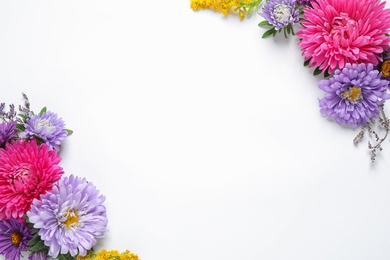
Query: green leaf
x=39 y=246
x=61 y=257
x=23 y=116
x=268 y=33
x=43 y=110
x=66 y=257
x=34 y=240
x=69 y=131
x=250 y=9
x=326 y=74
x=317 y=71
x=264 y=23
x=20 y=127
x=306 y=63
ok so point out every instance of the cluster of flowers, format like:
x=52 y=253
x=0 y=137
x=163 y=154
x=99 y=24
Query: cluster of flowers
x=346 y=41
x=42 y=212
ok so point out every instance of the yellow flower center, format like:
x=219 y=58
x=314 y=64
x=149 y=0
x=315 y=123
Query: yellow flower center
x=71 y=218
x=16 y=238
x=385 y=68
x=352 y=94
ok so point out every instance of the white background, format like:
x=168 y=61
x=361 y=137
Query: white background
x=206 y=139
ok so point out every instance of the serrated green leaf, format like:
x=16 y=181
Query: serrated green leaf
x=43 y=110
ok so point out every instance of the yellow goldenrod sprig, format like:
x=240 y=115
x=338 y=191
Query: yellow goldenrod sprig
x=241 y=7
x=109 y=255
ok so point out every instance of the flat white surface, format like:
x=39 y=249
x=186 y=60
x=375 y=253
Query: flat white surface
x=206 y=139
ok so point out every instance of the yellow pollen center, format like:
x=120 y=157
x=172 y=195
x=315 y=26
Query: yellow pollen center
x=71 y=218
x=352 y=94
x=16 y=238
x=385 y=68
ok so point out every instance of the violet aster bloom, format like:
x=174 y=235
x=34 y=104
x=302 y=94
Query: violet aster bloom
x=280 y=13
x=70 y=217
x=14 y=236
x=7 y=132
x=303 y=2
x=48 y=127
x=354 y=94
x=38 y=256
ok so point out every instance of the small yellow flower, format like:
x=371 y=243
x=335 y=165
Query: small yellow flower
x=109 y=255
x=226 y=7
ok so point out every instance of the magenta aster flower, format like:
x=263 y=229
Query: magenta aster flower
x=7 y=132
x=70 y=217
x=26 y=171
x=354 y=94
x=14 y=236
x=280 y=13
x=48 y=127
x=337 y=32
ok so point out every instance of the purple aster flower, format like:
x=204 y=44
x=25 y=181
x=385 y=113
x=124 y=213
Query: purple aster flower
x=280 y=13
x=354 y=94
x=48 y=127
x=303 y=2
x=7 y=132
x=70 y=217
x=41 y=255
x=14 y=236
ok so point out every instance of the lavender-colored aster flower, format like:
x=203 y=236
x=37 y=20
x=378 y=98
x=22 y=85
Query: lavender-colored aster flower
x=280 y=13
x=7 y=132
x=48 y=127
x=14 y=236
x=354 y=95
x=70 y=218
x=41 y=255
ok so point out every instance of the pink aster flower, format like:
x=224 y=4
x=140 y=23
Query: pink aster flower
x=337 y=32
x=26 y=171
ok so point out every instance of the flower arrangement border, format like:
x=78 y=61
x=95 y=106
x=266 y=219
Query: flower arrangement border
x=347 y=42
x=43 y=212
